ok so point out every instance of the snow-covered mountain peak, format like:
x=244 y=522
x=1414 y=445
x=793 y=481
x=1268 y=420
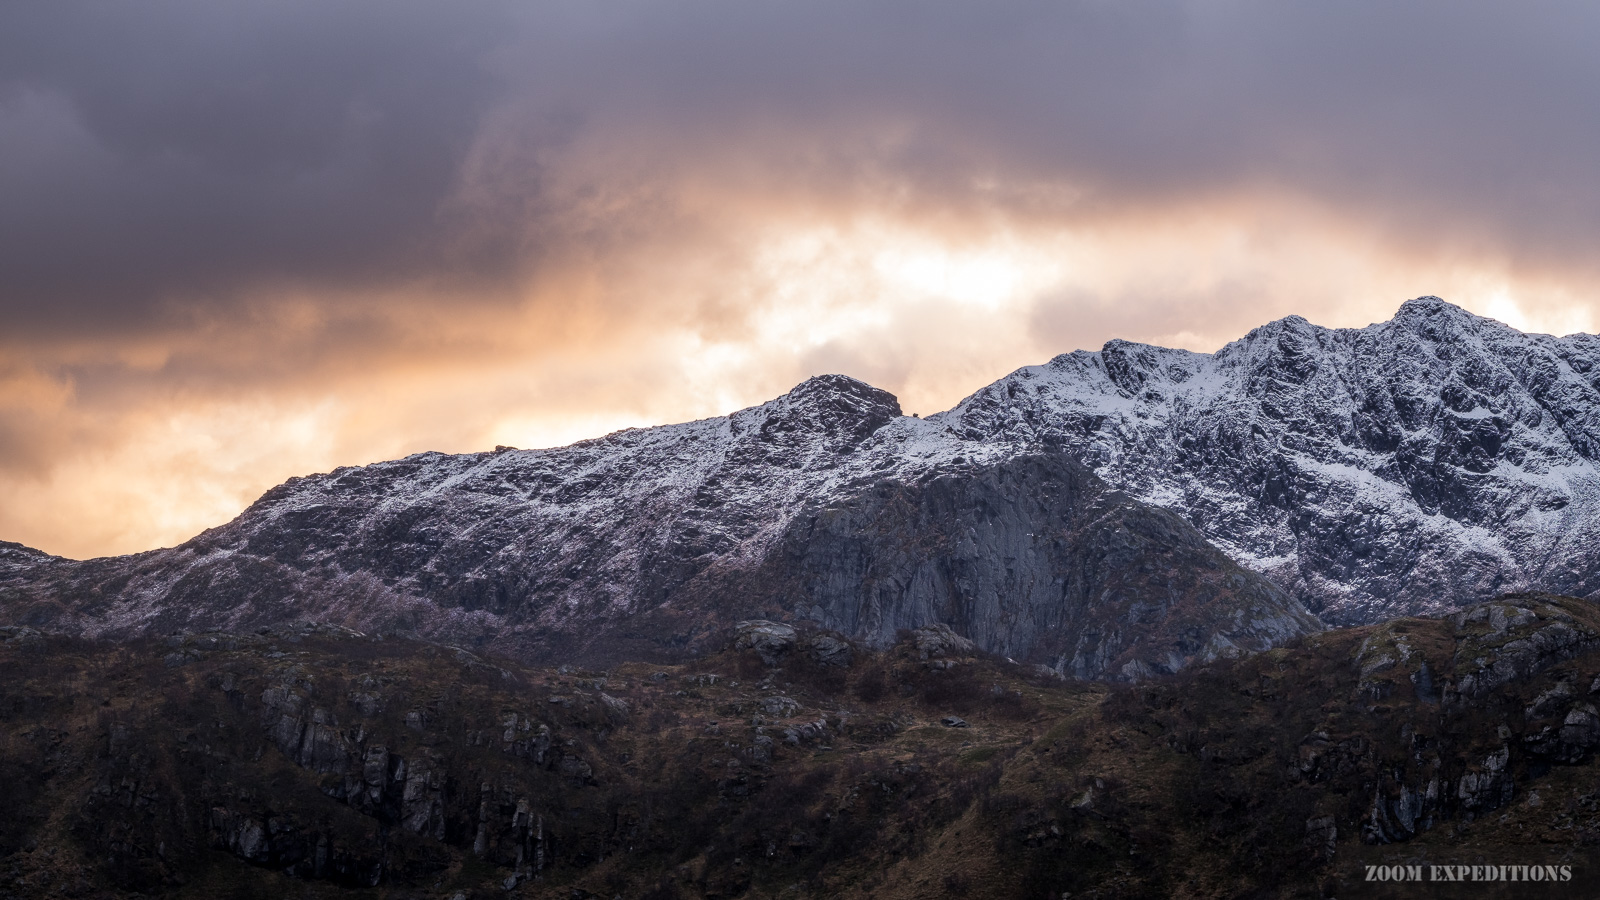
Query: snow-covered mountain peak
x=1430 y=311
x=1139 y=368
x=832 y=390
x=836 y=409
x=1410 y=465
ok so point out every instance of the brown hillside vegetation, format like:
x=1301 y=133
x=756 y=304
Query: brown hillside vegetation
x=316 y=762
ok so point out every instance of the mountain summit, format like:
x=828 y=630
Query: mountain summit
x=1414 y=465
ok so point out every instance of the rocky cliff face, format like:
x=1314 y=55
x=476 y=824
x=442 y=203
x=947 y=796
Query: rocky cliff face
x=1414 y=465
x=1029 y=553
x=825 y=505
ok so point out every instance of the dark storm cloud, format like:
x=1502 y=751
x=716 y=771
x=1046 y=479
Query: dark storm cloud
x=164 y=155
x=1480 y=110
x=182 y=150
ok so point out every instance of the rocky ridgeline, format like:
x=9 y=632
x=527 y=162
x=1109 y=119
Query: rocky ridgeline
x=1111 y=514
x=824 y=506
x=1414 y=465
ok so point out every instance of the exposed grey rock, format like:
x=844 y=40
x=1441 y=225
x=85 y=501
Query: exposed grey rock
x=323 y=747
x=21 y=635
x=1489 y=786
x=771 y=640
x=421 y=799
x=761 y=750
x=179 y=658
x=807 y=733
x=616 y=710
x=245 y=836
x=828 y=650
x=1512 y=638
x=783 y=707
x=1570 y=739
x=1580 y=731
x=939 y=640
x=575 y=768
x=1085 y=801
x=1322 y=836
x=370 y=703
x=1032 y=558
x=299 y=850
x=1045 y=672
x=282 y=714
x=953 y=722
x=375 y=766
x=1400 y=811
x=1549 y=701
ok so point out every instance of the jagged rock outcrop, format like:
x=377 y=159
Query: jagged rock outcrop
x=825 y=505
x=1412 y=466
x=1479 y=658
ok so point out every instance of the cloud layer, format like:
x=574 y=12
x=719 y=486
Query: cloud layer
x=240 y=244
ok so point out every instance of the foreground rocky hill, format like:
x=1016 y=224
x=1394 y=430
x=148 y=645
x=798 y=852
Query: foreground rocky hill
x=824 y=505
x=315 y=762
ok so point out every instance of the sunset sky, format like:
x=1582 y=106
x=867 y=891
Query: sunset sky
x=244 y=241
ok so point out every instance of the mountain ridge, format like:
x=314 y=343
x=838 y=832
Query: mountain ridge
x=1412 y=466
x=824 y=504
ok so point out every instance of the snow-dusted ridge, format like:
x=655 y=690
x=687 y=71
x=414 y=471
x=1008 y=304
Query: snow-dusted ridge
x=1411 y=466
x=824 y=505
x=1414 y=465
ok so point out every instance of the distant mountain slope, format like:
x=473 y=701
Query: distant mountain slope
x=1415 y=465
x=824 y=504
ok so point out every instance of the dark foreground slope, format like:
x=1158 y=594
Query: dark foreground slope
x=316 y=763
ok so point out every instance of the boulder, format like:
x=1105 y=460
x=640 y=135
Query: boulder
x=772 y=641
x=828 y=650
x=939 y=640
